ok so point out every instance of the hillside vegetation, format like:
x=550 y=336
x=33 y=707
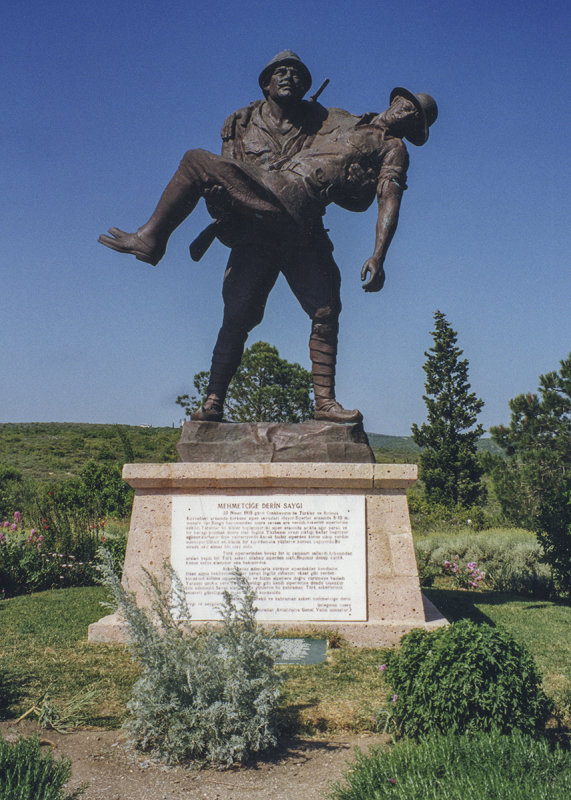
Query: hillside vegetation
x=59 y=450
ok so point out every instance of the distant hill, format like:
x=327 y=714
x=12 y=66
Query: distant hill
x=405 y=444
x=59 y=450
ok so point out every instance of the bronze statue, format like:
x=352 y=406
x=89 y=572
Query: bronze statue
x=283 y=161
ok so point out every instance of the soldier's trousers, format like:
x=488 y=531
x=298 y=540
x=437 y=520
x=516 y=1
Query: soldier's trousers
x=253 y=268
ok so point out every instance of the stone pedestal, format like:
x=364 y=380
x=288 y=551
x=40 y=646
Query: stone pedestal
x=275 y=442
x=394 y=603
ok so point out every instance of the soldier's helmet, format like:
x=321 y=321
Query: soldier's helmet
x=428 y=112
x=286 y=57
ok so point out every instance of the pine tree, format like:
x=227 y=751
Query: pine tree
x=450 y=467
x=265 y=388
x=533 y=481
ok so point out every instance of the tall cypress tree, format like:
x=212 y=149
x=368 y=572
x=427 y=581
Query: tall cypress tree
x=449 y=463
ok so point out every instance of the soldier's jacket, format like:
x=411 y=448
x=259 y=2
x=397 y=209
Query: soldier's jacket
x=333 y=157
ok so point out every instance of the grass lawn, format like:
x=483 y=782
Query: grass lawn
x=43 y=648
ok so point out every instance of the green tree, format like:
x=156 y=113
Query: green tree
x=99 y=491
x=265 y=388
x=533 y=482
x=450 y=467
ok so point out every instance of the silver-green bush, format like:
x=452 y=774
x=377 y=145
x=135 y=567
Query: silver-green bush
x=205 y=697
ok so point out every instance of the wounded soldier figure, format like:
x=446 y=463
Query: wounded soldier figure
x=284 y=160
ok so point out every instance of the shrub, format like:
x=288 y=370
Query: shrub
x=511 y=559
x=72 y=511
x=10 y=483
x=429 y=516
x=486 y=765
x=464 y=576
x=29 y=564
x=115 y=541
x=26 y=774
x=207 y=697
x=465 y=677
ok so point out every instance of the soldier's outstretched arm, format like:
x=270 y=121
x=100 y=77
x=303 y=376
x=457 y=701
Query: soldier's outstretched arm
x=389 y=200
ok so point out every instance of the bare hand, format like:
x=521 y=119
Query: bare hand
x=374 y=269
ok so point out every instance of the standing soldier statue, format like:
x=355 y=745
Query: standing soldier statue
x=284 y=159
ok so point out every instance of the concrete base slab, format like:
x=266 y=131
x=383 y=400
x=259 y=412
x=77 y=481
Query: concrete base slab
x=113 y=630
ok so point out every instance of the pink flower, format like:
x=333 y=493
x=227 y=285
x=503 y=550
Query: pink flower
x=40 y=538
x=395 y=698
x=17 y=516
x=13 y=527
x=391 y=780
x=6 y=524
x=33 y=532
x=382 y=667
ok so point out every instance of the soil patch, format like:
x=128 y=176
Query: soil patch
x=302 y=770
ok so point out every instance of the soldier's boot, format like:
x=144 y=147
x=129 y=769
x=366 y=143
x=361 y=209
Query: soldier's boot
x=210 y=411
x=323 y=353
x=149 y=242
x=225 y=361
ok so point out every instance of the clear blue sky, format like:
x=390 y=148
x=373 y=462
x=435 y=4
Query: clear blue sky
x=100 y=101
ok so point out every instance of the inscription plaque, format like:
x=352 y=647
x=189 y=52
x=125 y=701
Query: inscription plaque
x=303 y=554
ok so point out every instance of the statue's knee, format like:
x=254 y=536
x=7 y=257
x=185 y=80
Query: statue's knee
x=195 y=156
x=325 y=322
x=325 y=330
x=238 y=326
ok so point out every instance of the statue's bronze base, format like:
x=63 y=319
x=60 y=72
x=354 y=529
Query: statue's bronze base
x=272 y=442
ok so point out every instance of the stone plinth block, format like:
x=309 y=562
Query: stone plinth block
x=262 y=442
x=325 y=545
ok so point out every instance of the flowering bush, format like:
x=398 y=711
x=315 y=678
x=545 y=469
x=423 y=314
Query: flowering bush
x=29 y=564
x=467 y=577
x=512 y=559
